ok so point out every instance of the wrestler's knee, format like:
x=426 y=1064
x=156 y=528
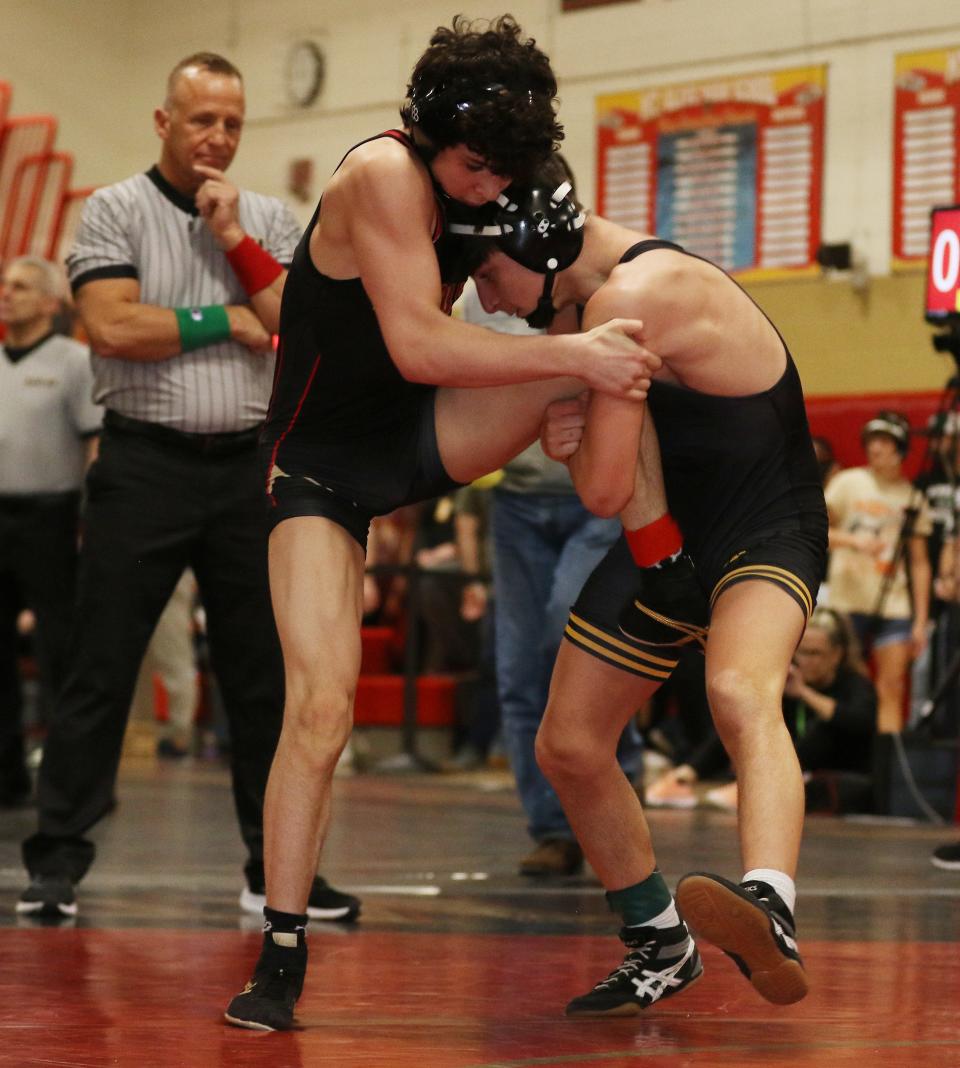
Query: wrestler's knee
x=564 y=753
x=318 y=719
x=742 y=702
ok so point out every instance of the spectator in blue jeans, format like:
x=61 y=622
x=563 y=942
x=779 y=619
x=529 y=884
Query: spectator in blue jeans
x=545 y=544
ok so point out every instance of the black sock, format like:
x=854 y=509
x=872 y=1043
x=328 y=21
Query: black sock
x=284 y=945
x=278 y=922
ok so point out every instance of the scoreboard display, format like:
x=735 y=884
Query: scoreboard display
x=943 y=266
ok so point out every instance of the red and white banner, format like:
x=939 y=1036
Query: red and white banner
x=730 y=168
x=926 y=139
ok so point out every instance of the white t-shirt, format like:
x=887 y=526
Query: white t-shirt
x=859 y=502
x=45 y=412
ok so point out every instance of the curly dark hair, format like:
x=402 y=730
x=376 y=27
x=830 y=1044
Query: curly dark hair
x=484 y=85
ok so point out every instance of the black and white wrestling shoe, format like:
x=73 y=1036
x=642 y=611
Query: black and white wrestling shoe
x=753 y=926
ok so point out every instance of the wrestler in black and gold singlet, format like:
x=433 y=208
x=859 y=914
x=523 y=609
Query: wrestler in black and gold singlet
x=742 y=483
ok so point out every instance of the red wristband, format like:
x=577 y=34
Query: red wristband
x=253 y=265
x=654 y=542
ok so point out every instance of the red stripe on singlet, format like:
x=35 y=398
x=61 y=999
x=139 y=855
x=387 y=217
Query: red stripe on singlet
x=293 y=419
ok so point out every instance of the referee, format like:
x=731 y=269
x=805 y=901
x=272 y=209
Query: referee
x=178 y=278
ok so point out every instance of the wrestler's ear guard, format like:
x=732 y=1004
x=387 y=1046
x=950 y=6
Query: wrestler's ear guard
x=541 y=228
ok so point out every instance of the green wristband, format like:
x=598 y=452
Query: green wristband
x=202 y=326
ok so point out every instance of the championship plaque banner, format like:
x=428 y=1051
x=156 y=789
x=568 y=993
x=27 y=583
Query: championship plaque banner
x=925 y=148
x=730 y=168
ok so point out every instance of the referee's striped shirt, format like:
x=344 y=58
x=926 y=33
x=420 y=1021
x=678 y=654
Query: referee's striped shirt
x=143 y=228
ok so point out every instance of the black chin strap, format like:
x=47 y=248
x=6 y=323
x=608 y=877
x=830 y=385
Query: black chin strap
x=542 y=315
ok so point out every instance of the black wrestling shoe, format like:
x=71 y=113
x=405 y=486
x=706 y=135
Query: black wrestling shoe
x=668 y=609
x=660 y=962
x=266 y=1003
x=48 y=897
x=753 y=926
x=324 y=903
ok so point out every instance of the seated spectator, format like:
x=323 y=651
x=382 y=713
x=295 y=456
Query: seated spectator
x=830 y=707
x=831 y=710
x=676 y=787
x=688 y=736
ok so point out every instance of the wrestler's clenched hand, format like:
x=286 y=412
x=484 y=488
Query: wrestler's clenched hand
x=616 y=361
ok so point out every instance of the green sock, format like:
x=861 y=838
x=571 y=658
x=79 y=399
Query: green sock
x=638 y=904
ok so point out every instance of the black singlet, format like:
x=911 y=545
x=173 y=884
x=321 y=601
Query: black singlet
x=335 y=386
x=736 y=466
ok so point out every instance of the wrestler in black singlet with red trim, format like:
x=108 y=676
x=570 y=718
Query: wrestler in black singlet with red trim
x=347 y=436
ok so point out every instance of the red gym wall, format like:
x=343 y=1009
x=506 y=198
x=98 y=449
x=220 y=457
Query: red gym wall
x=839 y=419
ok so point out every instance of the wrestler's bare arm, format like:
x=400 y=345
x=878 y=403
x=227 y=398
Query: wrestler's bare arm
x=697 y=321
x=603 y=467
x=616 y=466
x=388 y=205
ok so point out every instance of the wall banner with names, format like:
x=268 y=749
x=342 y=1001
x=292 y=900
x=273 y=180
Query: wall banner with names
x=926 y=147
x=730 y=168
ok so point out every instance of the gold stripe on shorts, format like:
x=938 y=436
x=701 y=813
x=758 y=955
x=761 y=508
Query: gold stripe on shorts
x=771 y=573
x=691 y=631
x=616 y=652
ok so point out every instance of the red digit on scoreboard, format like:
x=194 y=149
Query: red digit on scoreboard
x=943 y=268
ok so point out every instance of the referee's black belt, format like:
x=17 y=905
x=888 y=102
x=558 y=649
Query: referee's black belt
x=202 y=444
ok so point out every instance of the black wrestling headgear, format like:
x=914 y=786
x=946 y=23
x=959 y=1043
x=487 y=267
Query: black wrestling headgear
x=436 y=110
x=540 y=228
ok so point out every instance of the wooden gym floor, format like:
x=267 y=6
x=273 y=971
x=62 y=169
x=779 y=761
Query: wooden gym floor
x=458 y=962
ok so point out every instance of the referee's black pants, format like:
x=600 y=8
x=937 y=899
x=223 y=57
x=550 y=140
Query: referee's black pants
x=154 y=507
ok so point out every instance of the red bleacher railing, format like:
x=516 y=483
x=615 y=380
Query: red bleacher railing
x=406 y=699
x=20 y=137
x=36 y=198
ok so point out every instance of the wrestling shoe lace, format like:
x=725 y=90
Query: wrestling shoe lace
x=659 y=963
